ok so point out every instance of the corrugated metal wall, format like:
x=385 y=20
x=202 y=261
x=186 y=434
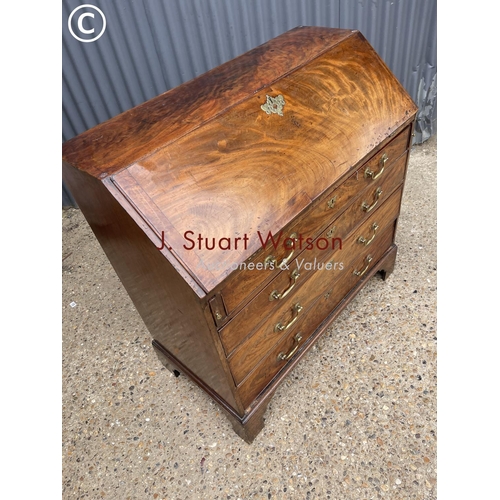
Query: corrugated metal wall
x=150 y=46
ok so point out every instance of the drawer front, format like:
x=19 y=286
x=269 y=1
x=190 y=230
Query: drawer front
x=288 y=316
x=289 y=281
x=329 y=297
x=374 y=173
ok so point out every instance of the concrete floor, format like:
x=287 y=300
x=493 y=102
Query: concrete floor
x=355 y=420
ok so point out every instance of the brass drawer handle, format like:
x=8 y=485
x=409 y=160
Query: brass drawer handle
x=366 y=242
x=368 y=208
x=382 y=162
x=275 y=295
x=289 y=244
x=368 y=259
x=283 y=357
x=295 y=316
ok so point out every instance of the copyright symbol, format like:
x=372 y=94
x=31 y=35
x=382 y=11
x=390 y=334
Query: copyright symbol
x=87 y=23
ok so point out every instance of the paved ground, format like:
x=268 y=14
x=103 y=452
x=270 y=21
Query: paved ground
x=355 y=420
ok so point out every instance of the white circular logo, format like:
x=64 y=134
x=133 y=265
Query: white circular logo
x=86 y=30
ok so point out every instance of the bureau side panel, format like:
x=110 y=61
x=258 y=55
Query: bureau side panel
x=172 y=312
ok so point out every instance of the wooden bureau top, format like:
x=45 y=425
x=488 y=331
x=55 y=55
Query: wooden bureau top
x=206 y=159
x=118 y=142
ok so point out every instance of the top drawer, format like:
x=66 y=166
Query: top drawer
x=264 y=264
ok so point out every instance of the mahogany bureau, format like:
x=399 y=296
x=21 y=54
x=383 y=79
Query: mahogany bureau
x=244 y=209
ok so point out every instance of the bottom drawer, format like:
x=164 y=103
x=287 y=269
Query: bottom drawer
x=287 y=349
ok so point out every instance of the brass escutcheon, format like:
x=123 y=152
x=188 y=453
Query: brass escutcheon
x=274 y=105
x=331 y=202
x=330 y=233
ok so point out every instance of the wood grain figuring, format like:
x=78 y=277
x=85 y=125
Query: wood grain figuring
x=117 y=143
x=249 y=173
x=167 y=304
